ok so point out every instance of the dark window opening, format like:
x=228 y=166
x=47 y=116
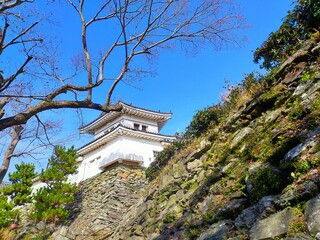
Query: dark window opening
x=136 y=126
x=144 y=128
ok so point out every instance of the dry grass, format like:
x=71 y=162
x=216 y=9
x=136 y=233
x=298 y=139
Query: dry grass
x=183 y=153
x=6 y=234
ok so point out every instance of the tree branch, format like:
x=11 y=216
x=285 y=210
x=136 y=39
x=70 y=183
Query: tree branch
x=23 y=117
x=15 y=137
x=14 y=40
x=8 y=81
x=11 y=4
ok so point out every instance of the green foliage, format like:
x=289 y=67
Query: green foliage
x=193 y=231
x=312 y=121
x=50 y=201
x=202 y=121
x=297 y=113
x=270 y=97
x=7 y=214
x=264 y=182
x=163 y=157
x=303 y=166
x=301 y=23
x=61 y=164
x=269 y=148
x=316 y=148
x=315 y=106
x=208 y=217
x=20 y=190
x=41 y=235
x=309 y=76
x=298 y=224
x=170 y=217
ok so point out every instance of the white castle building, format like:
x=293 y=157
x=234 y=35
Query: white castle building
x=129 y=136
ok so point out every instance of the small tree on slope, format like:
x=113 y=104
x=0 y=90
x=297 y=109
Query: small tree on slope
x=7 y=214
x=50 y=201
x=20 y=190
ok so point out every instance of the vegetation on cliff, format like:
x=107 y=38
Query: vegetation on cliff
x=250 y=161
x=300 y=26
x=257 y=164
x=301 y=23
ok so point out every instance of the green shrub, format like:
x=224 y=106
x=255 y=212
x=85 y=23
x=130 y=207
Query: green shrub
x=51 y=200
x=208 y=217
x=297 y=113
x=297 y=110
x=170 y=217
x=264 y=182
x=20 y=190
x=303 y=166
x=301 y=23
x=309 y=76
x=7 y=214
x=298 y=224
x=202 y=121
x=315 y=106
x=193 y=232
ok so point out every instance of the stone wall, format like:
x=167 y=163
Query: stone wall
x=101 y=203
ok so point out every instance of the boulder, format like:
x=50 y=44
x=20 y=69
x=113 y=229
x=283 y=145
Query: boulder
x=304 y=190
x=275 y=225
x=313 y=215
x=250 y=215
x=217 y=231
x=203 y=147
x=239 y=135
x=232 y=208
x=194 y=165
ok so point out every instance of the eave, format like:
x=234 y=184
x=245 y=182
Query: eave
x=122 y=131
x=160 y=117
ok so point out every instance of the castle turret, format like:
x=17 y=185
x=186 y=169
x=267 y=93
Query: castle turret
x=130 y=135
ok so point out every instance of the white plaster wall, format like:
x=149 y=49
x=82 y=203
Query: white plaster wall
x=152 y=125
x=36 y=186
x=88 y=167
x=133 y=149
x=128 y=121
x=74 y=177
x=126 y=146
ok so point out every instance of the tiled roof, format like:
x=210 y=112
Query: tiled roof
x=128 y=128
x=160 y=117
x=144 y=109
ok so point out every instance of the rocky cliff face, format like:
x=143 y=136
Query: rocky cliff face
x=255 y=176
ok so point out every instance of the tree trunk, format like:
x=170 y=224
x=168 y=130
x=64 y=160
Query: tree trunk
x=15 y=137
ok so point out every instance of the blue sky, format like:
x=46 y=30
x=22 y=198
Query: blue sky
x=183 y=84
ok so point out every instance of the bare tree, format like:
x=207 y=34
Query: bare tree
x=132 y=29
